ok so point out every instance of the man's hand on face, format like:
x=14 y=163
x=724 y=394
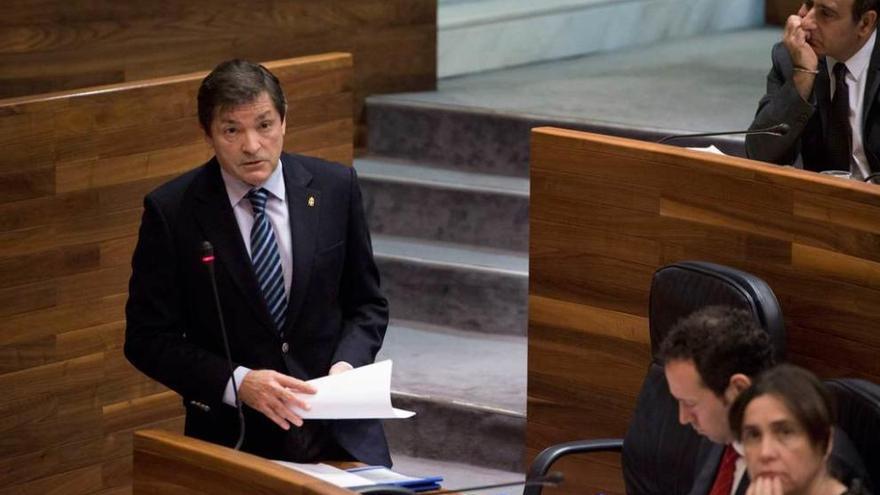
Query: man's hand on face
x=272 y=394
x=795 y=38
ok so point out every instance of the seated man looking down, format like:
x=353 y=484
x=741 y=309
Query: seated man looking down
x=823 y=84
x=710 y=357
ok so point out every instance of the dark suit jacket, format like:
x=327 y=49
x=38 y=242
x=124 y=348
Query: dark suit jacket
x=809 y=121
x=711 y=453
x=336 y=311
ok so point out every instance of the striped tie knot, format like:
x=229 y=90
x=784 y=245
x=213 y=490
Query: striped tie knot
x=258 y=199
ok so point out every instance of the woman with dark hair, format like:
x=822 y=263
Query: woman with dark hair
x=785 y=422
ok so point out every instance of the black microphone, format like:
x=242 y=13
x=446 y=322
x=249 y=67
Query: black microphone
x=551 y=479
x=208 y=261
x=776 y=130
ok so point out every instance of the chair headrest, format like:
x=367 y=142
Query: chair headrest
x=681 y=288
x=858 y=414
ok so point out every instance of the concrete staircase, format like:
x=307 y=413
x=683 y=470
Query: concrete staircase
x=480 y=122
x=450 y=236
x=446 y=192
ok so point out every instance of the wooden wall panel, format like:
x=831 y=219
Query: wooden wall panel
x=55 y=45
x=777 y=11
x=69 y=401
x=607 y=212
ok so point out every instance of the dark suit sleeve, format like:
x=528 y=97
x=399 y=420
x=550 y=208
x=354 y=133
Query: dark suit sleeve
x=155 y=334
x=781 y=104
x=364 y=308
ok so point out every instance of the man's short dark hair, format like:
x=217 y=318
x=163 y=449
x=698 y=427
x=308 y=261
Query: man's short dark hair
x=721 y=341
x=860 y=7
x=237 y=82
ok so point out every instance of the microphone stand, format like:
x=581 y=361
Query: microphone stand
x=208 y=261
x=776 y=130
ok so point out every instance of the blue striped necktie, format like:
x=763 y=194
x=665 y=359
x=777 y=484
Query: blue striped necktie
x=267 y=262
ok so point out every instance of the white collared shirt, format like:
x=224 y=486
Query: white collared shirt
x=276 y=210
x=856 y=79
x=279 y=217
x=739 y=468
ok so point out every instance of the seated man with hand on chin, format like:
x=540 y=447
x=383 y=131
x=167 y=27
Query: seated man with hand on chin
x=823 y=84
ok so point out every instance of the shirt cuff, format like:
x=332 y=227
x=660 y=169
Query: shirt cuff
x=344 y=364
x=228 y=394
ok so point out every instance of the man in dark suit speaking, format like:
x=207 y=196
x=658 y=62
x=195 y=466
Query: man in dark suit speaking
x=823 y=84
x=295 y=273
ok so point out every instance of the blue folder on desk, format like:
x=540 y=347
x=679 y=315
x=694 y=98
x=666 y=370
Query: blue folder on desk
x=381 y=475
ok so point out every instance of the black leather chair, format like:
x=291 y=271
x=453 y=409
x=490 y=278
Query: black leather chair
x=659 y=455
x=858 y=415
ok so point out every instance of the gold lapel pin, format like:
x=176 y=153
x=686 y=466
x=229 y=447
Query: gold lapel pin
x=311 y=201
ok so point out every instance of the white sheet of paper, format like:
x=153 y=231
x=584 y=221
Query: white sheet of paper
x=329 y=474
x=708 y=149
x=361 y=393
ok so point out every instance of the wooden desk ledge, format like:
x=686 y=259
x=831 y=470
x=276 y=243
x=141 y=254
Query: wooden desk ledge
x=166 y=462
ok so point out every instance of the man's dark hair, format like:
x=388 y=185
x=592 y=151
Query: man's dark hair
x=237 y=82
x=811 y=404
x=721 y=341
x=860 y=7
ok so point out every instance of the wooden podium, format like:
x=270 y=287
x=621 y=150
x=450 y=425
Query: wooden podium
x=170 y=463
x=606 y=212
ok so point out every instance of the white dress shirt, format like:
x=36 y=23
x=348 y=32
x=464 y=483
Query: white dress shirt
x=856 y=79
x=278 y=215
x=276 y=211
x=739 y=468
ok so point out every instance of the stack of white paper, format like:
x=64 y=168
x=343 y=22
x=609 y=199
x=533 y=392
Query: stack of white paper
x=708 y=149
x=361 y=393
x=330 y=474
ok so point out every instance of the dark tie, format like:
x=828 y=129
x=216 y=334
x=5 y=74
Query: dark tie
x=267 y=262
x=839 y=131
x=724 y=479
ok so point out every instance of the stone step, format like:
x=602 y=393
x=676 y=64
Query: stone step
x=469 y=288
x=492 y=141
x=464 y=138
x=410 y=199
x=468 y=390
x=481 y=35
x=481 y=122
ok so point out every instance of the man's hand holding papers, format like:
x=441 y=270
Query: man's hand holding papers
x=361 y=393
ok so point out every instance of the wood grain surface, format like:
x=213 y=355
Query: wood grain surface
x=777 y=11
x=54 y=45
x=168 y=463
x=75 y=168
x=607 y=212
